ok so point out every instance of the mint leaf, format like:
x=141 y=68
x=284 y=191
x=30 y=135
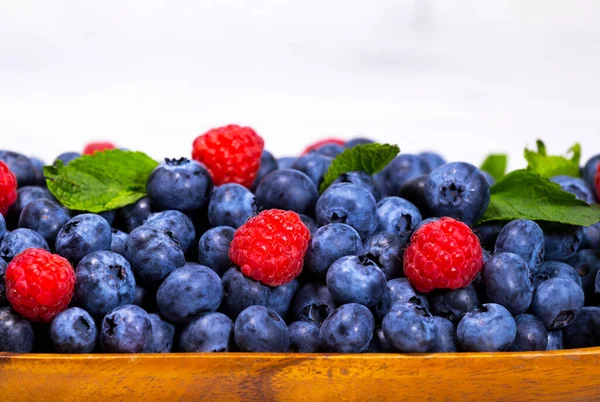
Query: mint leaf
x=523 y=194
x=368 y=158
x=552 y=165
x=102 y=181
x=495 y=164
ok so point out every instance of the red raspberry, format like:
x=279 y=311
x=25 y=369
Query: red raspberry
x=319 y=144
x=270 y=247
x=598 y=181
x=8 y=188
x=444 y=254
x=230 y=153
x=97 y=146
x=39 y=284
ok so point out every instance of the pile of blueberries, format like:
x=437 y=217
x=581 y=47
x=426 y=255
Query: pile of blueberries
x=156 y=277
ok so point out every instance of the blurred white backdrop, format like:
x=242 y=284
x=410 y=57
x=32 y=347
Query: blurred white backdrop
x=463 y=77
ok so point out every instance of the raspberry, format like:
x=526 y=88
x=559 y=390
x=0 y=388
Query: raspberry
x=39 y=285
x=97 y=146
x=444 y=254
x=230 y=153
x=8 y=188
x=270 y=247
x=319 y=144
x=598 y=181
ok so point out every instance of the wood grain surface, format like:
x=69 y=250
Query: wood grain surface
x=572 y=375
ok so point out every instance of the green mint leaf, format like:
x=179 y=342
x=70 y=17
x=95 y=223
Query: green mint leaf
x=552 y=165
x=523 y=194
x=102 y=181
x=368 y=158
x=495 y=164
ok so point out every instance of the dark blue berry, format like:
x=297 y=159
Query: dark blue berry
x=353 y=279
x=118 y=240
x=556 y=302
x=330 y=243
x=25 y=196
x=73 y=331
x=210 y=332
x=304 y=337
x=446 y=340
x=2 y=226
x=231 y=205
x=67 y=157
x=177 y=223
x=402 y=168
x=21 y=166
x=488 y=328
x=590 y=170
x=506 y=280
x=433 y=159
x=348 y=329
x=397 y=215
x=397 y=293
x=410 y=328
x=362 y=179
x=18 y=241
x=241 y=292
x=163 y=335
x=141 y=294
x=524 y=238
x=413 y=190
x=136 y=214
x=591 y=237
x=555 y=340
x=357 y=141
x=180 y=184
x=287 y=189
x=268 y=164
x=586 y=264
x=488 y=233
x=584 y=331
x=453 y=304
x=213 y=248
x=3 y=300
x=38 y=165
x=425 y=222
x=562 y=241
x=104 y=281
x=458 y=190
x=314 y=303
x=260 y=329
x=578 y=187
x=83 y=235
x=126 y=329
x=331 y=150
x=379 y=344
x=531 y=334
x=286 y=162
x=282 y=296
x=554 y=269
x=45 y=217
x=108 y=215
x=314 y=165
x=16 y=333
x=309 y=223
x=386 y=250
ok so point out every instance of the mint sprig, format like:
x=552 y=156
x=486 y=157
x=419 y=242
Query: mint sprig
x=553 y=165
x=368 y=158
x=495 y=164
x=102 y=181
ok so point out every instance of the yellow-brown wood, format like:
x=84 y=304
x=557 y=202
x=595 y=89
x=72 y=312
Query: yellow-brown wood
x=572 y=375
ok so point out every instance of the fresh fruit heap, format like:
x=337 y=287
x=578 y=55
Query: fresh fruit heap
x=350 y=247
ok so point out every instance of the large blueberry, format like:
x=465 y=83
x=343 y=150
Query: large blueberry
x=16 y=333
x=104 y=281
x=531 y=334
x=73 y=331
x=590 y=170
x=181 y=184
x=126 y=329
x=108 y=215
x=506 y=280
x=446 y=340
x=177 y=223
x=260 y=329
x=287 y=189
x=38 y=165
x=413 y=190
x=281 y=297
x=2 y=226
x=210 y=332
x=584 y=331
x=348 y=329
x=309 y=223
x=402 y=168
x=556 y=302
x=25 y=196
x=331 y=150
x=231 y=205
x=454 y=304
x=357 y=141
x=397 y=293
x=213 y=248
x=83 y=235
x=578 y=187
x=397 y=215
x=163 y=335
x=118 y=240
x=268 y=164
x=285 y=162
x=562 y=241
x=241 y=292
x=67 y=157
x=488 y=328
x=314 y=165
x=524 y=238
x=20 y=240
x=458 y=190
x=350 y=204
x=433 y=159
x=410 y=329
x=313 y=302
x=136 y=214
x=304 y=337
x=21 y=166
x=554 y=269
x=488 y=233
x=591 y=237
x=45 y=217
x=361 y=179
x=329 y=243
x=353 y=279
x=586 y=264
x=386 y=250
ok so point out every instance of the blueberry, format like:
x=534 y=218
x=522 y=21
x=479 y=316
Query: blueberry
x=18 y=241
x=2 y=226
x=425 y=222
x=45 y=217
x=397 y=215
x=304 y=337
x=282 y=296
x=578 y=187
x=410 y=329
x=586 y=264
x=531 y=334
x=402 y=168
x=506 y=280
x=488 y=328
x=109 y=216
x=141 y=294
x=331 y=150
x=210 y=332
x=231 y=205
x=313 y=302
x=241 y=292
x=386 y=250
x=413 y=190
x=348 y=329
x=556 y=302
x=67 y=157
x=350 y=204
x=179 y=184
x=524 y=238
x=126 y=329
x=584 y=331
x=433 y=160
x=3 y=300
x=488 y=233
x=26 y=195
x=260 y=329
x=489 y=178
x=446 y=340
x=118 y=240
x=454 y=304
x=591 y=237
x=153 y=253
x=314 y=165
x=83 y=235
x=379 y=344
x=16 y=333
x=554 y=269
x=268 y=164
x=38 y=165
x=357 y=141
x=562 y=241
x=213 y=248
x=458 y=190
x=397 y=293
x=175 y=222
x=555 y=340
x=73 y=331
x=189 y=291
x=590 y=170
x=287 y=189
x=353 y=279
x=286 y=162
x=136 y=214
x=329 y=243
x=104 y=281
x=21 y=166
x=163 y=335
x=309 y=223
x=361 y=179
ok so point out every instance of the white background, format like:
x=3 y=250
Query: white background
x=464 y=77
